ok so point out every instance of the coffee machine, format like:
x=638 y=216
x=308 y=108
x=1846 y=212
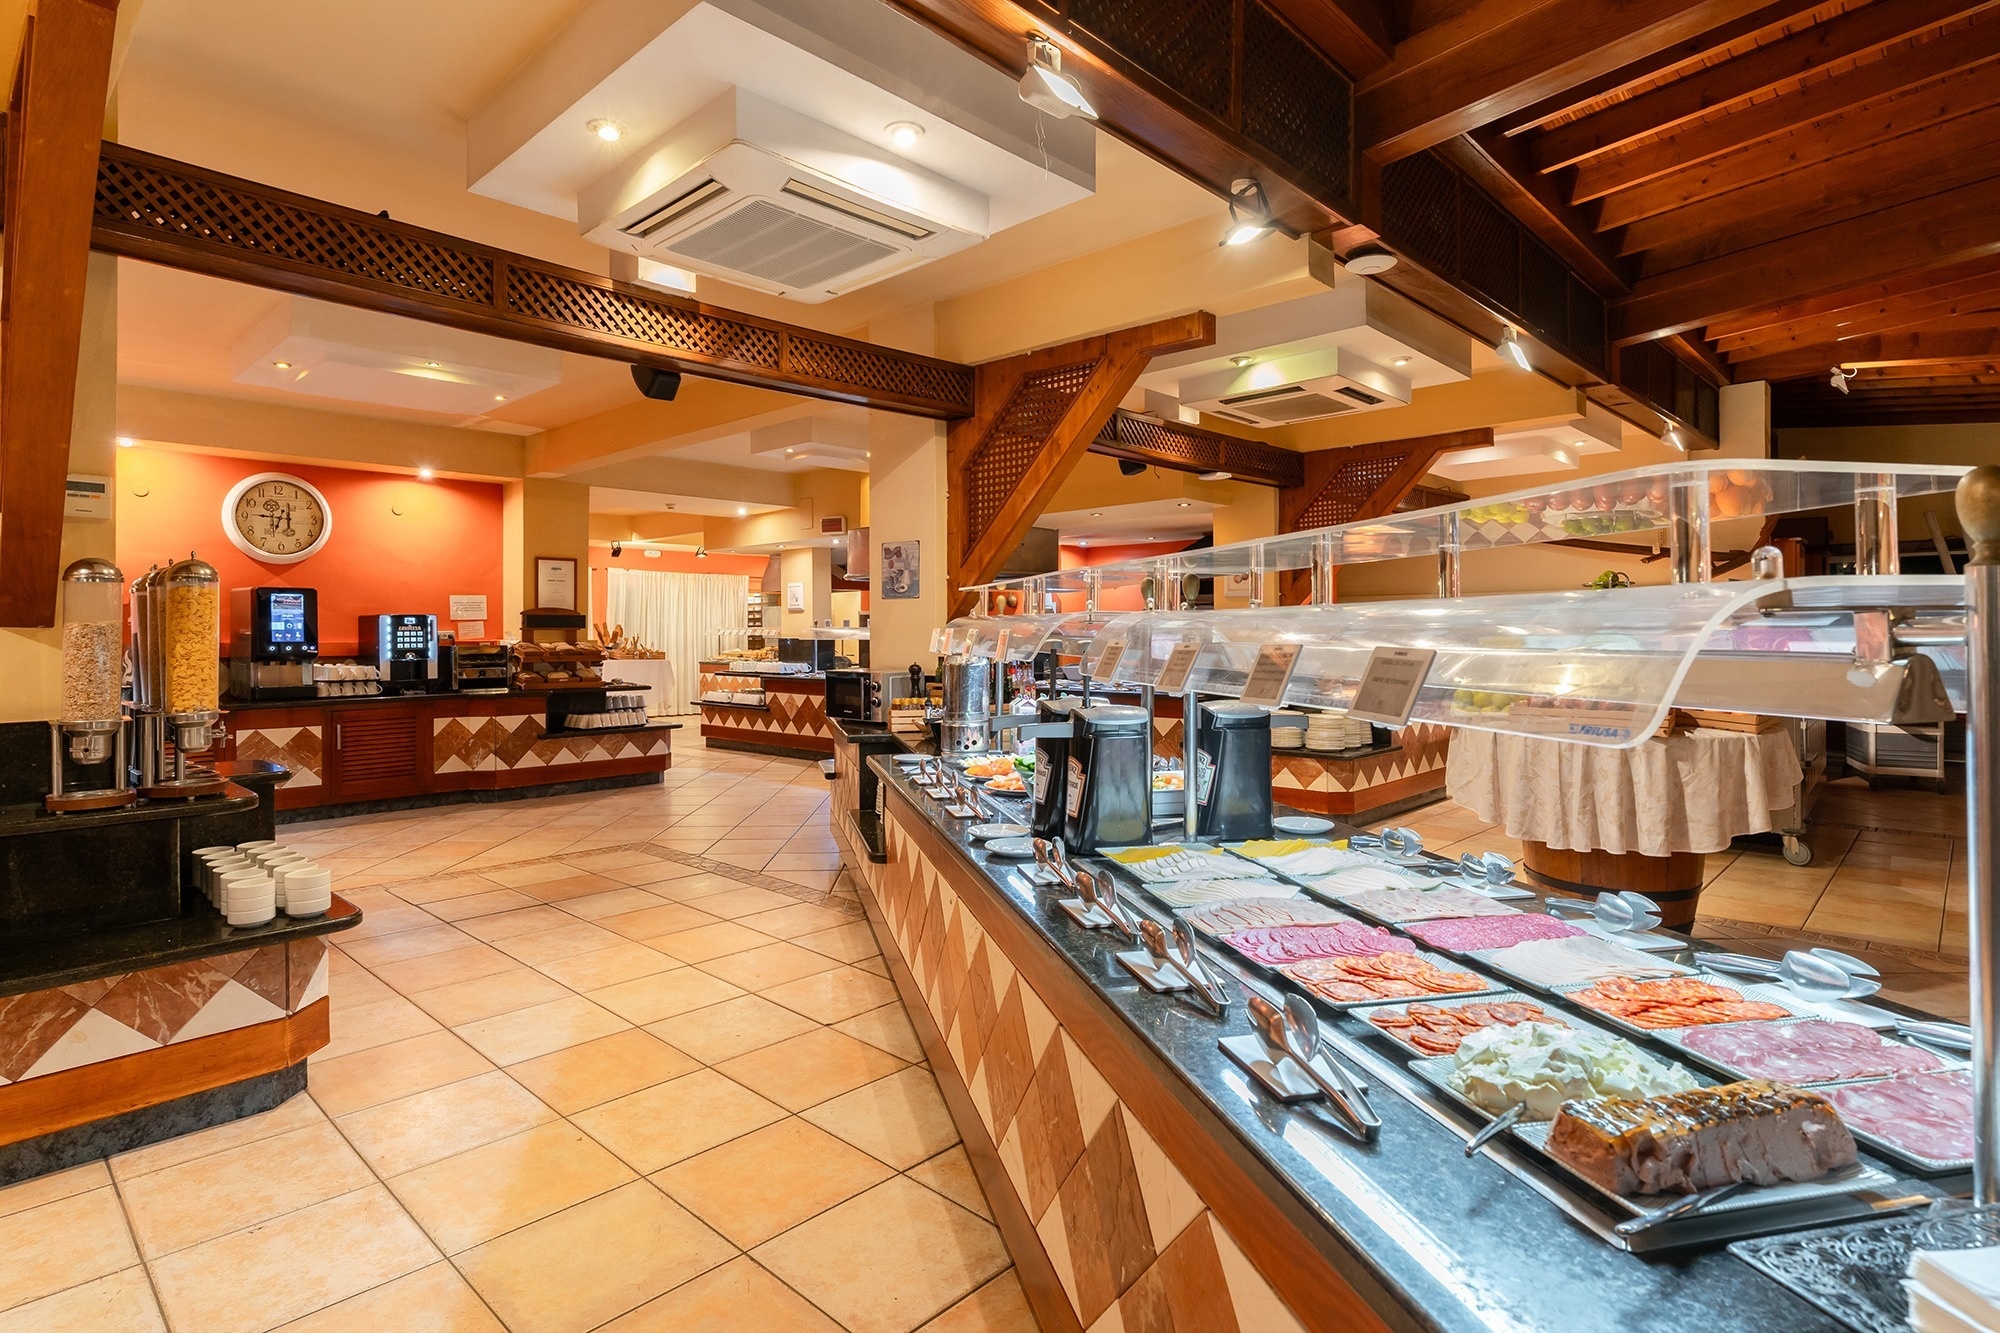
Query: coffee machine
x=1232 y=772
x=404 y=649
x=273 y=643
x=1108 y=779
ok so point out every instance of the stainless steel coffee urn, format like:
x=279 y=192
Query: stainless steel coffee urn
x=1108 y=779
x=965 y=727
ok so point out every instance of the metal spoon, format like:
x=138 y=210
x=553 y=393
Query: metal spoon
x=1271 y=1025
x=1617 y=911
x=1155 y=941
x=1957 y=1036
x=1686 y=1206
x=1817 y=974
x=1494 y=1129
x=1190 y=961
x=1297 y=1028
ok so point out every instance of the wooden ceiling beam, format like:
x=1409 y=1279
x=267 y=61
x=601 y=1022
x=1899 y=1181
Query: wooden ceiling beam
x=1759 y=73
x=1834 y=105
x=1972 y=296
x=1877 y=350
x=55 y=121
x=1858 y=305
x=1498 y=165
x=1356 y=33
x=1951 y=227
x=1505 y=55
x=1819 y=192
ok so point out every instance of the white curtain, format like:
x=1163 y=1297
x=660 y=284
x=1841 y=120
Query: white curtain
x=679 y=614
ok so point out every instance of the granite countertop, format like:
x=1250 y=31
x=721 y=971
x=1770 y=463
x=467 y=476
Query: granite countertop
x=1459 y=1244
x=198 y=932
x=35 y=818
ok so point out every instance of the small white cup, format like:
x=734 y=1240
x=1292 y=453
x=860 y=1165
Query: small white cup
x=213 y=872
x=253 y=916
x=248 y=847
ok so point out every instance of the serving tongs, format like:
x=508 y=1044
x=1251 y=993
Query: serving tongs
x=1494 y=1128
x=1049 y=859
x=1098 y=891
x=1493 y=869
x=1613 y=911
x=1956 y=1036
x=1181 y=960
x=1402 y=843
x=1816 y=974
x=1294 y=1031
x=1685 y=1206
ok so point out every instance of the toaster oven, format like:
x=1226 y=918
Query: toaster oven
x=863 y=696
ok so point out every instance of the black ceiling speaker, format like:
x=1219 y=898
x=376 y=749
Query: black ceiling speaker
x=1131 y=467
x=658 y=384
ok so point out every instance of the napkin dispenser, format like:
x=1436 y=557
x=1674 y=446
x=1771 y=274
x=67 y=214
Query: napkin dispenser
x=1232 y=772
x=1107 y=779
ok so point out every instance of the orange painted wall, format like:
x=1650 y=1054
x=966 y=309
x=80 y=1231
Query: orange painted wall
x=446 y=538
x=1113 y=599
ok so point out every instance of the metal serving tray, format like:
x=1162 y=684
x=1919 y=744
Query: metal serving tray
x=1436 y=960
x=1489 y=959
x=1777 y=995
x=1889 y=1148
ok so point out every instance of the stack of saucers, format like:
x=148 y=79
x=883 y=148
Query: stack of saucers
x=249 y=897
x=1324 y=731
x=1286 y=738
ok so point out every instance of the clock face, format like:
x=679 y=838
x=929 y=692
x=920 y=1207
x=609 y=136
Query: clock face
x=276 y=518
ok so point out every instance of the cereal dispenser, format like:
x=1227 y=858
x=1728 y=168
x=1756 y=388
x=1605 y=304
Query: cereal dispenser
x=176 y=645
x=90 y=732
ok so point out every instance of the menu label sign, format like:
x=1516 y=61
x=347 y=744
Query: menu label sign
x=1105 y=667
x=937 y=640
x=1000 y=646
x=1270 y=673
x=1389 y=685
x=1173 y=676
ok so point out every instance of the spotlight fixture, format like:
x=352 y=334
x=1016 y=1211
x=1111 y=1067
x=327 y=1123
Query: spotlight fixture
x=1839 y=378
x=1368 y=260
x=430 y=365
x=499 y=397
x=1241 y=361
x=1249 y=212
x=742 y=511
x=282 y=365
x=1185 y=505
x=905 y=133
x=659 y=385
x=701 y=553
x=608 y=130
x=1401 y=361
x=1673 y=439
x=1213 y=476
x=424 y=473
x=617 y=549
x=1512 y=348
x=127 y=442
x=1131 y=467
x=1046 y=88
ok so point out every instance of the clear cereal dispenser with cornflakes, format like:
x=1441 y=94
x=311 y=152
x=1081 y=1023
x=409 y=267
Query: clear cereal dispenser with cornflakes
x=90 y=730
x=177 y=639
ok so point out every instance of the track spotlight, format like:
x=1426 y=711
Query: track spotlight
x=1131 y=467
x=1512 y=348
x=1046 y=88
x=617 y=549
x=1673 y=439
x=1249 y=212
x=1839 y=378
x=701 y=553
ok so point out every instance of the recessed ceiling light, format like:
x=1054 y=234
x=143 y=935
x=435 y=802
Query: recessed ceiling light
x=424 y=473
x=790 y=452
x=126 y=442
x=430 y=365
x=1241 y=361
x=608 y=130
x=282 y=365
x=1369 y=260
x=1084 y=542
x=499 y=397
x=1097 y=513
x=741 y=511
x=905 y=133
x=1213 y=476
x=1400 y=361
x=1186 y=505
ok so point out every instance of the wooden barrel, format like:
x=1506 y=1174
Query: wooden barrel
x=1673 y=882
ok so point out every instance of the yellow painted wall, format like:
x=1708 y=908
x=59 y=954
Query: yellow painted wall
x=540 y=518
x=811 y=567
x=1960 y=444
x=907 y=481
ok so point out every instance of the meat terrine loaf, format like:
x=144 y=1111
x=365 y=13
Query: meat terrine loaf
x=1685 y=1142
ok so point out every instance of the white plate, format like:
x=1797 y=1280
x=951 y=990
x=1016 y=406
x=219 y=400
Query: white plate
x=1021 y=849
x=984 y=831
x=1301 y=826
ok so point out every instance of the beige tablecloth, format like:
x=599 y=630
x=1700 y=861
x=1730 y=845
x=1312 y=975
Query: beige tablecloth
x=658 y=672
x=1688 y=793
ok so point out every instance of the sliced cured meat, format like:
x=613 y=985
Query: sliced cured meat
x=1586 y=958
x=1438 y=1029
x=1200 y=892
x=1291 y=944
x=1929 y=1115
x=1469 y=934
x=1237 y=914
x=1684 y=1142
x=1413 y=904
x=1681 y=1002
x=1814 y=1051
x=1385 y=976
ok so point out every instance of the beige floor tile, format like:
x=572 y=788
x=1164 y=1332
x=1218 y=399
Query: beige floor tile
x=850 y=944
x=416 y=975
x=662 y=918
x=380 y=950
x=264 y=1275
x=719 y=1031
x=599 y=862
x=507 y=1039
x=624 y=961
x=747 y=901
x=515 y=877
x=887 y=1260
x=413 y=1131
x=670 y=1121
x=593 y=1262
x=819 y=880
x=810 y=1068
x=794 y=919
x=900 y=1119
x=61 y=1244
x=770 y=1180
x=212 y=1196
x=711 y=941
x=736 y=1298
x=792 y=858
x=693 y=888
x=296 y=1113
x=437 y=1295
x=53 y=1186
x=549 y=946
x=526 y=921
x=950 y=1174
x=487 y=1191
x=832 y=995
x=379 y=922
x=423 y=892
x=887 y=1027
x=594 y=1072
x=998 y=1307
x=574 y=886
x=874 y=965
x=366 y=1026
x=650 y=871
x=502 y=993
x=650 y=999
x=480 y=904
x=119 y=1303
x=772 y=965
x=612 y=902
x=384 y=1073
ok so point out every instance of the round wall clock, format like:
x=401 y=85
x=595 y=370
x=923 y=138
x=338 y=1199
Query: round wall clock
x=277 y=518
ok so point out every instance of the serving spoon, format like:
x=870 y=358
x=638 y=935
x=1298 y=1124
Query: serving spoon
x=1496 y=1127
x=1301 y=1040
x=1190 y=960
x=1615 y=911
x=1686 y=1206
x=1103 y=895
x=1817 y=974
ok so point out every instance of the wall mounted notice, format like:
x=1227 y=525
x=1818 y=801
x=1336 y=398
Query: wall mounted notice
x=1389 y=685
x=467 y=606
x=1173 y=676
x=1270 y=673
x=86 y=496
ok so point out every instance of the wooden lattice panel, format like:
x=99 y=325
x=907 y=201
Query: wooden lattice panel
x=1352 y=485
x=1003 y=457
x=540 y=294
x=847 y=363
x=1192 y=449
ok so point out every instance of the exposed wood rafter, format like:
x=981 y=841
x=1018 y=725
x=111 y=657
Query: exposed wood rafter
x=1184 y=448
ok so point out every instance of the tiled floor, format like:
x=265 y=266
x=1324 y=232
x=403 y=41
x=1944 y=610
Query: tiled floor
x=1887 y=882
x=627 y=1060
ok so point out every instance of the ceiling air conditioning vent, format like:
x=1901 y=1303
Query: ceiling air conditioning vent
x=1305 y=387
x=784 y=248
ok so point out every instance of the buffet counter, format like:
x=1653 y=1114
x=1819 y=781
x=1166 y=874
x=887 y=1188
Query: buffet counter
x=415 y=749
x=766 y=713
x=1131 y=1163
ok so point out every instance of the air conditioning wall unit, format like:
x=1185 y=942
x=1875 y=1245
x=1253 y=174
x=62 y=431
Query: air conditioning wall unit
x=761 y=196
x=1305 y=387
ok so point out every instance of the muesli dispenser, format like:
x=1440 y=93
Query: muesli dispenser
x=87 y=742
x=176 y=677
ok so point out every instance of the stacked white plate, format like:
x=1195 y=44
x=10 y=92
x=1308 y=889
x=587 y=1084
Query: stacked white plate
x=252 y=882
x=1286 y=738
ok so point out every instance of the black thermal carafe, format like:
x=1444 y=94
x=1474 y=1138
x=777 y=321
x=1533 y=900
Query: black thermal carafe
x=1108 y=779
x=1051 y=762
x=1232 y=772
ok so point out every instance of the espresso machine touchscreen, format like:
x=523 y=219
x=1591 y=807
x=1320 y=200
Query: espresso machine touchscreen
x=273 y=642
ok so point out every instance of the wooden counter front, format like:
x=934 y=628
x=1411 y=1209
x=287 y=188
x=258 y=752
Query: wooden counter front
x=790 y=721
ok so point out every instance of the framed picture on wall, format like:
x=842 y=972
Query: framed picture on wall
x=795 y=596
x=902 y=570
x=555 y=582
